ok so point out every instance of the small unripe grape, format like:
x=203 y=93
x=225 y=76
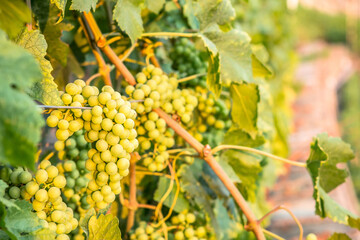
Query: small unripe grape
x=52 y=171
x=96 y=111
x=32 y=187
x=104 y=97
x=54 y=192
x=201 y=232
x=102 y=177
x=109 y=198
x=138 y=94
x=101 y=145
x=311 y=236
x=129 y=123
x=90 y=165
x=96 y=196
x=60 y=229
x=111 y=168
x=62 y=237
x=74 y=126
x=41 y=195
x=52 y=121
x=41 y=176
x=38 y=206
x=62 y=135
x=59 y=181
x=14 y=192
x=24 y=177
x=72 y=89
x=123 y=163
x=88 y=91
x=179 y=235
x=57 y=215
x=105 y=190
x=106 y=156
x=107 y=124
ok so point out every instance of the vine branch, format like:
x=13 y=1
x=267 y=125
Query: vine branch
x=132 y=194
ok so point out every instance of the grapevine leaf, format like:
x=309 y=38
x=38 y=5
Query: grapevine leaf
x=229 y=171
x=214 y=182
x=213 y=75
x=52 y=31
x=189 y=13
x=210 y=12
x=163 y=185
x=41 y=234
x=222 y=217
x=4 y=235
x=192 y=187
x=246 y=166
x=3 y=200
x=234 y=51
x=339 y=236
x=128 y=15
x=104 y=227
x=13 y=16
x=22 y=221
x=244 y=112
x=83 y=5
x=20 y=121
x=326 y=153
x=236 y=136
x=155 y=5
x=61 y=5
x=258 y=68
x=45 y=90
x=84 y=223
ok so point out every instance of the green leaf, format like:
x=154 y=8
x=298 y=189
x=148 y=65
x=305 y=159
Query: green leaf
x=13 y=16
x=45 y=90
x=104 y=227
x=244 y=112
x=213 y=75
x=235 y=54
x=236 y=136
x=127 y=13
x=21 y=221
x=190 y=183
x=222 y=217
x=326 y=153
x=155 y=5
x=61 y=5
x=339 y=236
x=211 y=12
x=189 y=13
x=246 y=166
x=163 y=185
x=259 y=69
x=20 y=119
x=83 y=5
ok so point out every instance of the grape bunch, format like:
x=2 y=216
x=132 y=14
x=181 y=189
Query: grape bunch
x=74 y=155
x=156 y=90
x=109 y=126
x=187 y=229
x=187 y=60
x=17 y=180
x=146 y=232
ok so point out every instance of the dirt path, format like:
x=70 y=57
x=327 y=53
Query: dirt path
x=315 y=111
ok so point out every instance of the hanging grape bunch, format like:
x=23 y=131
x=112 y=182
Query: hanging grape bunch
x=187 y=61
x=156 y=90
x=109 y=126
x=44 y=192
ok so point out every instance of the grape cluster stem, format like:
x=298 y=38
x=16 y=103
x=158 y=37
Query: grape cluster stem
x=101 y=43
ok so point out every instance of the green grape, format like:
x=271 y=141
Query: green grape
x=311 y=236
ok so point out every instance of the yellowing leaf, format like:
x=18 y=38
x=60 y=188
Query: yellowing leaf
x=60 y=4
x=45 y=90
x=245 y=98
x=155 y=5
x=103 y=228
